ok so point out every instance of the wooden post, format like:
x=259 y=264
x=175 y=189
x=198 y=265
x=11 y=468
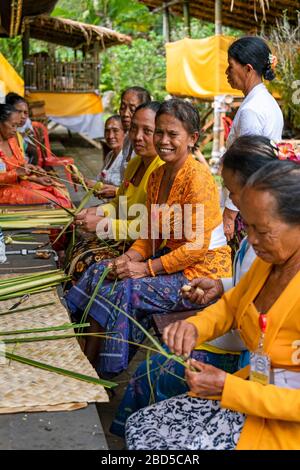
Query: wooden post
x=218 y=17
x=25 y=54
x=166 y=23
x=95 y=65
x=217 y=129
x=187 y=18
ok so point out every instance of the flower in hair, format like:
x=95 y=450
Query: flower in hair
x=286 y=151
x=273 y=61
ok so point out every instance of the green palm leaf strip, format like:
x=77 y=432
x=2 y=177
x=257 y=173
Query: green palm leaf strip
x=34 y=339
x=10 y=240
x=35 y=290
x=17 y=286
x=158 y=347
x=39 y=218
x=65 y=326
x=28 y=277
x=58 y=370
x=98 y=285
x=70 y=212
x=148 y=363
x=24 y=309
x=116 y=280
x=84 y=201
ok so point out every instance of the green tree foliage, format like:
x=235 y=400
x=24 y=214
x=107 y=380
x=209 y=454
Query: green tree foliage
x=142 y=64
x=11 y=49
x=115 y=14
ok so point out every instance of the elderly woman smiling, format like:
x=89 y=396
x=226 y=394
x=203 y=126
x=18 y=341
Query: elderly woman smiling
x=226 y=411
x=151 y=273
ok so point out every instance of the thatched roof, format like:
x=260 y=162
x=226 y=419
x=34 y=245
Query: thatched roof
x=12 y=13
x=242 y=16
x=71 y=33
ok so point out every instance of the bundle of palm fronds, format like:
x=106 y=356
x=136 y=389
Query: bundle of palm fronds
x=38 y=219
x=17 y=286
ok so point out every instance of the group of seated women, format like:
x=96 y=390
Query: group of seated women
x=223 y=410
x=228 y=341
x=156 y=244
x=152 y=270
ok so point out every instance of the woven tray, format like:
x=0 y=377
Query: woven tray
x=27 y=388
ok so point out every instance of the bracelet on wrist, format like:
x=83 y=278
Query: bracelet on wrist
x=150 y=267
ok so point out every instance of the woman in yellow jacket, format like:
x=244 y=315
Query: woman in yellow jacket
x=225 y=411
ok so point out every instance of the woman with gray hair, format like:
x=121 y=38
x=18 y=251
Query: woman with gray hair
x=225 y=411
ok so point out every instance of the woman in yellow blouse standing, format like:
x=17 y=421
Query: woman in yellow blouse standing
x=154 y=269
x=226 y=411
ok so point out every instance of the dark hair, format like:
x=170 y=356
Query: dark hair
x=183 y=111
x=153 y=105
x=281 y=179
x=115 y=117
x=14 y=98
x=5 y=111
x=248 y=154
x=143 y=94
x=255 y=51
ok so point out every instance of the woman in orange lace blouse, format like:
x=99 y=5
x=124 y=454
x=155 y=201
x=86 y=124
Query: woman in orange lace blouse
x=184 y=241
x=18 y=182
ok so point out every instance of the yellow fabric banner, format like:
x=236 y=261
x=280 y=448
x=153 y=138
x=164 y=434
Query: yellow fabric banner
x=11 y=79
x=196 y=67
x=68 y=104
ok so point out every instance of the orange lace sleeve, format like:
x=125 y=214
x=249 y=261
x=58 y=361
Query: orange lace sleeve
x=201 y=195
x=10 y=175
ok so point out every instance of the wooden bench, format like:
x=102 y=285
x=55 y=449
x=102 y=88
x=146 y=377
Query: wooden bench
x=61 y=430
x=160 y=321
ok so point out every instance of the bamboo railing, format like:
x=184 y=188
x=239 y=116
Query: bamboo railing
x=48 y=74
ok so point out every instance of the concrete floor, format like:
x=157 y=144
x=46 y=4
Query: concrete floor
x=89 y=161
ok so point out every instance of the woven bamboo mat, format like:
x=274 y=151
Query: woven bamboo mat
x=26 y=388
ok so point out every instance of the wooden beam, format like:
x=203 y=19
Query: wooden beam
x=242 y=23
x=96 y=51
x=218 y=17
x=25 y=53
x=242 y=16
x=91 y=141
x=187 y=18
x=166 y=24
x=25 y=43
x=166 y=5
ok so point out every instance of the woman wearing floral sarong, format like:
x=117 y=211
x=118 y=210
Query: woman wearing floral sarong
x=151 y=273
